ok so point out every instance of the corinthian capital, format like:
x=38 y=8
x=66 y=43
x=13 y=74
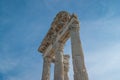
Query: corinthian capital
x=60 y=45
x=74 y=27
x=47 y=59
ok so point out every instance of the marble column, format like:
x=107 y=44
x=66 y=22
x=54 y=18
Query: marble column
x=59 y=66
x=66 y=66
x=77 y=53
x=46 y=69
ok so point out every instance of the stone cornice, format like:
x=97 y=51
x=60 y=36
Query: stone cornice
x=61 y=19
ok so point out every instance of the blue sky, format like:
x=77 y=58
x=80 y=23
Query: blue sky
x=24 y=23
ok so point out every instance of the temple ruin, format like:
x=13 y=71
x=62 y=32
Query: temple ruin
x=63 y=27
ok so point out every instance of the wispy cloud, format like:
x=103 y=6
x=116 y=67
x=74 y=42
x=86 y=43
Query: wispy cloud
x=104 y=62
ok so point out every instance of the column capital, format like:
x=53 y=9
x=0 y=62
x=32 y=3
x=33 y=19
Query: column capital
x=47 y=59
x=60 y=45
x=74 y=27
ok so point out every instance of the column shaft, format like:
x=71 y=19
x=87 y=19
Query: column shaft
x=77 y=54
x=66 y=66
x=59 y=66
x=46 y=69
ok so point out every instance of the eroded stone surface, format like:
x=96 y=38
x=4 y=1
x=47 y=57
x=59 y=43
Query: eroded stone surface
x=46 y=69
x=77 y=54
x=59 y=66
x=59 y=22
x=62 y=28
x=66 y=66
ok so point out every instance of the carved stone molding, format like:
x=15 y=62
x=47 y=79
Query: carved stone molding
x=47 y=59
x=60 y=45
x=74 y=27
x=59 y=22
x=62 y=28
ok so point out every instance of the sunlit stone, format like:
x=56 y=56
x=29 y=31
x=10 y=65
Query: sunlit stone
x=63 y=27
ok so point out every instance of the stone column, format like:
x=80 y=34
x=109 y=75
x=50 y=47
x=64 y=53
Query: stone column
x=66 y=66
x=46 y=69
x=77 y=53
x=59 y=66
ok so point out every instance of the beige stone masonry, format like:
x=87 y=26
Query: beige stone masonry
x=63 y=27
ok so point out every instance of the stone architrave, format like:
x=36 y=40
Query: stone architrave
x=46 y=68
x=77 y=53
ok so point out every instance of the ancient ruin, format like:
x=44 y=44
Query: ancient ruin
x=63 y=27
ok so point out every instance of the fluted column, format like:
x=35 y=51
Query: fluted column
x=59 y=66
x=66 y=66
x=46 y=69
x=77 y=53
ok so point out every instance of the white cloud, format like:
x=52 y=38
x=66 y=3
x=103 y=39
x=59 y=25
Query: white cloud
x=104 y=62
x=101 y=64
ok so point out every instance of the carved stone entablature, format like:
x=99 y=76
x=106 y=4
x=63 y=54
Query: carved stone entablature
x=58 y=31
x=62 y=18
